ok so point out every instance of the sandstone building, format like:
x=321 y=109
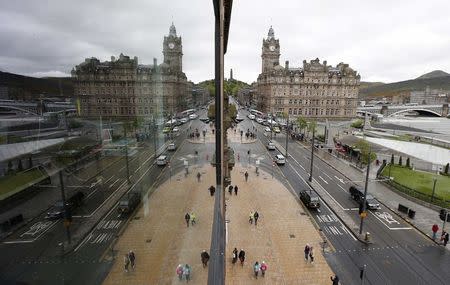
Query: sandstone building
x=315 y=90
x=124 y=88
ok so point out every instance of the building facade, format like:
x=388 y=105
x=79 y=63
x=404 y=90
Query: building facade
x=122 y=87
x=315 y=90
x=429 y=96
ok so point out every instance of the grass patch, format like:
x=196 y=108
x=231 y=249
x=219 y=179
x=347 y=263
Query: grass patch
x=420 y=181
x=17 y=182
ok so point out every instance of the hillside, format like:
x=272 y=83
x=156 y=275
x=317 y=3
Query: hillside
x=392 y=89
x=434 y=74
x=20 y=86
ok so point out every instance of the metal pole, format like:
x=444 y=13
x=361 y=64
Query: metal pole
x=287 y=136
x=66 y=214
x=445 y=220
x=363 y=275
x=365 y=194
x=312 y=156
x=434 y=187
x=126 y=156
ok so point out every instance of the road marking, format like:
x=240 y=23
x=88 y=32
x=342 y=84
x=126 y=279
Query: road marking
x=343 y=189
x=340 y=179
x=327 y=175
x=342 y=225
x=36 y=228
x=323 y=179
x=109 y=179
x=345 y=209
x=114 y=183
x=389 y=219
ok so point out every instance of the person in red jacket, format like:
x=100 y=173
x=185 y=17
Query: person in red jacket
x=434 y=229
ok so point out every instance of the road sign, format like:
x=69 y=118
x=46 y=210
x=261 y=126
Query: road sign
x=66 y=223
x=363 y=214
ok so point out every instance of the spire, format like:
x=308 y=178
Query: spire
x=172 y=31
x=271 y=34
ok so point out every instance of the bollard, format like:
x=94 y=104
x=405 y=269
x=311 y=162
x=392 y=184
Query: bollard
x=367 y=237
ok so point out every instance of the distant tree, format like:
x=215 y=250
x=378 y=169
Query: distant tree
x=312 y=127
x=19 y=165
x=364 y=148
x=232 y=112
x=392 y=159
x=301 y=123
x=446 y=168
x=358 y=124
x=407 y=163
x=212 y=111
x=400 y=161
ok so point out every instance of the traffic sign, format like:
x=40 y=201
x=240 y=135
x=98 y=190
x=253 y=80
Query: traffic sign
x=363 y=214
x=67 y=223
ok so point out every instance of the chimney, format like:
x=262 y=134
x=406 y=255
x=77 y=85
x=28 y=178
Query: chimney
x=154 y=62
x=286 y=64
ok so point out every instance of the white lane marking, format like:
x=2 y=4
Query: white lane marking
x=302 y=167
x=343 y=226
x=34 y=229
x=345 y=209
x=340 y=179
x=114 y=183
x=343 y=189
x=109 y=179
x=327 y=175
x=323 y=179
x=389 y=219
x=122 y=168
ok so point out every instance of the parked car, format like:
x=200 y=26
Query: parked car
x=279 y=159
x=310 y=199
x=204 y=120
x=271 y=146
x=184 y=120
x=128 y=203
x=259 y=120
x=358 y=195
x=193 y=116
x=166 y=130
x=267 y=129
x=175 y=130
x=171 y=147
x=276 y=129
x=251 y=116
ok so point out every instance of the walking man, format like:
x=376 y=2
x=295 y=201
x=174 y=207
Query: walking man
x=126 y=261
x=306 y=252
x=212 y=190
x=434 y=229
x=179 y=271
x=198 y=176
x=132 y=258
x=250 y=218
x=263 y=268
x=187 y=218
x=256 y=216
x=235 y=190
x=445 y=238
x=193 y=218
x=246 y=176
x=311 y=254
x=256 y=269
x=242 y=256
x=205 y=258
x=230 y=189
x=235 y=256
x=335 y=280
x=187 y=272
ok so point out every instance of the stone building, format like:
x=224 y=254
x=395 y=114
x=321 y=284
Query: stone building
x=315 y=90
x=429 y=96
x=122 y=87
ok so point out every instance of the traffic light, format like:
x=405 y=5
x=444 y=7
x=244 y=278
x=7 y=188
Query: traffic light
x=442 y=215
x=360 y=208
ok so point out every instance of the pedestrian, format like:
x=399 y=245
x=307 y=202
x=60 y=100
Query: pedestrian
x=256 y=269
x=205 y=258
x=434 y=229
x=256 y=217
x=263 y=268
x=235 y=256
x=132 y=258
x=242 y=256
x=198 y=176
x=187 y=218
x=335 y=280
x=311 y=254
x=230 y=189
x=126 y=261
x=235 y=189
x=250 y=217
x=187 y=272
x=306 y=252
x=246 y=176
x=193 y=218
x=179 y=271
x=445 y=238
x=212 y=190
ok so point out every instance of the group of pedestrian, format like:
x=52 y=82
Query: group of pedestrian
x=129 y=259
x=254 y=216
x=190 y=218
x=230 y=189
x=309 y=253
x=444 y=234
x=184 y=271
x=259 y=267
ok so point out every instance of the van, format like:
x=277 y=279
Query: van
x=279 y=159
x=161 y=160
x=310 y=199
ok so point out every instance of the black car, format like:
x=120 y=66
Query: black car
x=57 y=211
x=310 y=199
x=358 y=195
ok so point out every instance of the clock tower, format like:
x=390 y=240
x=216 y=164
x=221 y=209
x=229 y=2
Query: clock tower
x=270 y=52
x=173 y=50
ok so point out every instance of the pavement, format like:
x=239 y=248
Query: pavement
x=161 y=240
x=425 y=215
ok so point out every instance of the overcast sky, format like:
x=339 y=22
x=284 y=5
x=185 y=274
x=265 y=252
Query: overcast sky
x=384 y=40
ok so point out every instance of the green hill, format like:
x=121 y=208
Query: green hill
x=231 y=87
x=434 y=74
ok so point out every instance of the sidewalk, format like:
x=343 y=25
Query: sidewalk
x=425 y=217
x=160 y=239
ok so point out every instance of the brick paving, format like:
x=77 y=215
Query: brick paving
x=160 y=239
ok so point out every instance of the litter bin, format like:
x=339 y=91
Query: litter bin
x=411 y=214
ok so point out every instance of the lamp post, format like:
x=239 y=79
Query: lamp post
x=434 y=187
x=287 y=135
x=365 y=194
x=312 y=155
x=126 y=154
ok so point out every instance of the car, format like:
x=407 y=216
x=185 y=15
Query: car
x=259 y=120
x=276 y=129
x=161 y=160
x=279 y=159
x=166 y=130
x=271 y=146
x=358 y=195
x=239 y=119
x=310 y=199
x=171 y=147
x=128 y=203
x=204 y=120
x=184 y=120
x=251 y=116
x=267 y=129
x=193 y=116
x=175 y=130
x=57 y=211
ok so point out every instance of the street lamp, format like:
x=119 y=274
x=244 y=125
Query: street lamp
x=312 y=154
x=434 y=187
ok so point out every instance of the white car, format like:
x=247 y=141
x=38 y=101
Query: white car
x=251 y=116
x=175 y=130
x=259 y=120
x=193 y=116
x=279 y=159
x=276 y=129
x=267 y=129
x=184 y=120
x=171 y=147
x=161 y=160
x=270 y=146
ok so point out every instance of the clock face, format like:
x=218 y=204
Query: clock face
x=272 y=48
x=171 y=45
